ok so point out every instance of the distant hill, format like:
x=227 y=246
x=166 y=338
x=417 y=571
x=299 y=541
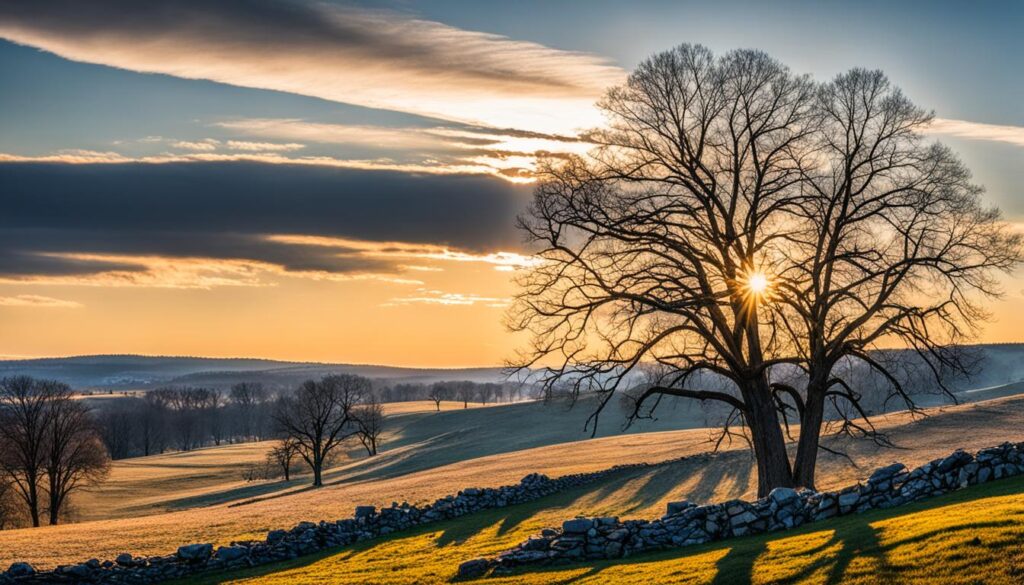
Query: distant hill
x=134 y=372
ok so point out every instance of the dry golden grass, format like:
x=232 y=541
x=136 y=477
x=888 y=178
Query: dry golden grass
x=971 y=536
x=404 y=473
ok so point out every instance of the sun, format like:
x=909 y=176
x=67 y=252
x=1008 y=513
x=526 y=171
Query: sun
x=757 y=283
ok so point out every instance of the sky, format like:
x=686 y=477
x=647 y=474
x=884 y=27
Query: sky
x=339 y=182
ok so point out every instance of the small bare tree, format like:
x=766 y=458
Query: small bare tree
x=439 y=392
x=282 y=455
x=319 y=416
x=370 y=418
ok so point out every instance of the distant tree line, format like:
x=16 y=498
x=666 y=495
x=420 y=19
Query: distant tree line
x=50 y=446
x=186 y=418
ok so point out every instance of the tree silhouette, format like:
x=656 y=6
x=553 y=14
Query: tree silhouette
x=740 y=233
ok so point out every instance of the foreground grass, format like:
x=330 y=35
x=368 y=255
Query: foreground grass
x=971 y=536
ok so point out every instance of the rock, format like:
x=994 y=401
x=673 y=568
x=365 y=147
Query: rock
x=365 y=511
x=195 y=553
x=782 y=495
x=577 y=526
x=473 y=569
x=549 y=533
x=848 y=499
x=673 y=508
x=275 y=536
x=618 y=535
x=20 y=570
x=883 y=473
x=471 y=492
x=613 y=550
x=232 y=553
x=76 y=571
x=125 y=560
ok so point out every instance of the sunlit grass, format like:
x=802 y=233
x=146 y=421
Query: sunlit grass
x=971 y=536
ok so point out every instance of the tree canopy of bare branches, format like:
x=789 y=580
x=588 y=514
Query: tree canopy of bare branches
x=49 y=445
x=319 y=417
x=741 y=222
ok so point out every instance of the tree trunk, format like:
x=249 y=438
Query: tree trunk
x=810 y=435
x=773 y=469
x=33 y=504
x=318 y=463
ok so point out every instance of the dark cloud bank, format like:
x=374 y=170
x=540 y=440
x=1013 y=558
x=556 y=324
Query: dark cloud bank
x=223 y=210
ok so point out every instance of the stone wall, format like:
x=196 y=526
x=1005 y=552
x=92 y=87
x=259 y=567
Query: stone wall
x=685 y=524
x=304 y=538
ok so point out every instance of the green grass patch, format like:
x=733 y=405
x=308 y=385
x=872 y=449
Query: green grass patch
x=970 y=536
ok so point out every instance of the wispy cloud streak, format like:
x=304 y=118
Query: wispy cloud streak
x=346 y=54
x=978 y=131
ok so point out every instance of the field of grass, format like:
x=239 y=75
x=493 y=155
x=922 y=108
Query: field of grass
x=435 y=454
x=971 y=536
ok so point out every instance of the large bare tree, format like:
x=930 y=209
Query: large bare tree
x=23 y=422
x=74 y=454
x=687 y=244
x=897 y=251
x=319 y=417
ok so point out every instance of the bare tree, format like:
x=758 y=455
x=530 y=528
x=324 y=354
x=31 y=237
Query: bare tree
x=370 y=419
x=897 y=248
x=74 y=454
x=649 y=248
x=439 y=392
x=319 y=417
x=694 y=242
x=282 y=455
x=23 y=433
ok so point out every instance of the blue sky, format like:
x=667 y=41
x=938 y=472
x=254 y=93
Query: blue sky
x=436 y=108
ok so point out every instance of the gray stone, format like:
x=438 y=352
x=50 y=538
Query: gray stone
x=365 y=511
x=883 y=473
x=20 y=570
x=195 y=552
x=125 y=560
x=673 y=508
x=232 y=553
x=275 y=536
x=473 y=569
x=613 y=550
x=783 y=495
x=848 y=499
x=577 y=526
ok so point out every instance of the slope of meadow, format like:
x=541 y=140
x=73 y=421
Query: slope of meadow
x=971 y=536
x=485 y=449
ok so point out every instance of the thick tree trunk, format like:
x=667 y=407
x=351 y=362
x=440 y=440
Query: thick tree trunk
x=810 y=434
x=33 y=504
x=773 y=469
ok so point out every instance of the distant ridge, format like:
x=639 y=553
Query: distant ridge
x=126 y=371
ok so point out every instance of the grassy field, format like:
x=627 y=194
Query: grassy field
x=971 y=536
x=434 y=454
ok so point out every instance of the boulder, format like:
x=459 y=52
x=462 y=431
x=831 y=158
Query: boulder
x=782 y=495
x=365 y=511
x=884 y=473
x=232 y=553
x=473 y=569
x=20 y=570
x=125 y=559
x=195 y=553
x=673 y=508
x=275 y=536
x=577 y=526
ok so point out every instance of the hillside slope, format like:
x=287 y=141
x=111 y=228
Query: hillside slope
x=974 y=535
x=638 y=494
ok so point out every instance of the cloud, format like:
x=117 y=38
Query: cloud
x=341 y=53
x=448 y=299
x=263 y=146
x=978 y=131
x=200 y=225
x=207 y=145
x=38 y=301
